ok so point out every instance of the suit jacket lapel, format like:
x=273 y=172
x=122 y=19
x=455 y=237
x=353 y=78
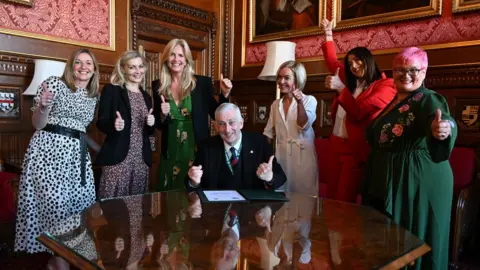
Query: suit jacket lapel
x=146 y=98
x=196 y=106
x=217 y=154
x=126 y=101
x=248 y=161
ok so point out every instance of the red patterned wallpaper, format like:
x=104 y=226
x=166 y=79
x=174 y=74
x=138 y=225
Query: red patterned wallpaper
x=437 y=30
x=84 y=22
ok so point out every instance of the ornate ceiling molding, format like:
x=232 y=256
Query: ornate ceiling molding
x=177 y=7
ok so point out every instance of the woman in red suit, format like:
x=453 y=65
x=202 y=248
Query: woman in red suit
x=362 y=93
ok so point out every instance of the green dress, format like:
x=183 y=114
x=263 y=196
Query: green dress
x=174 y=167
x=409 y=176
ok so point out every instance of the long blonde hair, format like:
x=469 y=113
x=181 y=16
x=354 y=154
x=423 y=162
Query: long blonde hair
x=118 y=76
x=188 y=81
x=69 y=74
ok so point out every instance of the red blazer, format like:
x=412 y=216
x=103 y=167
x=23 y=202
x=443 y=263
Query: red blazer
x=362 y=110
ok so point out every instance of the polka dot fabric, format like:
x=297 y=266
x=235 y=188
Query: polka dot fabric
x=50 y=189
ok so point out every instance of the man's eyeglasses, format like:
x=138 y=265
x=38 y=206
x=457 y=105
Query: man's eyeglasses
x=412 y=72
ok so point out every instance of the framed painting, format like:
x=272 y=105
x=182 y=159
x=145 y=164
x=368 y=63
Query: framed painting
x=262 y=112
x=357 y=13
x=9 y=102
x=88 y=24
x=465 y=5
x=23 y=2
x=326 y=114
x=281 y=19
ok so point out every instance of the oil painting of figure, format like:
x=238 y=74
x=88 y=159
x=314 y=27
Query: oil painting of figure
x=274 y=16
x=352 y=9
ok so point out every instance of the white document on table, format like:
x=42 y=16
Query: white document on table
x=223 y=195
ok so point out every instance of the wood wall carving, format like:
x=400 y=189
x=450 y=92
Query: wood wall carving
x=160 y=21
x=227 y=38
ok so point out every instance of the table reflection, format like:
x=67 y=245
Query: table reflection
x=175 y=230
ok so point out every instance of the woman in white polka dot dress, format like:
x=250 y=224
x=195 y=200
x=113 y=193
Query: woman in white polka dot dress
x=57 y=176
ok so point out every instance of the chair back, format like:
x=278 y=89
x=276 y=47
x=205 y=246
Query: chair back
x=7 y=196
x=462 y=160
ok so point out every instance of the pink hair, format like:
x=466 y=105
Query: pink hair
x=411 y=54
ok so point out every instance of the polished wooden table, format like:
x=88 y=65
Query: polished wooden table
x=174 y=230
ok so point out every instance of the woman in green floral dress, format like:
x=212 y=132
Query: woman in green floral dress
x=182 y=103
x=409 y=176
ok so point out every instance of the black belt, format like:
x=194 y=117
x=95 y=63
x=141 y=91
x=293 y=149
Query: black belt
x=72 y=133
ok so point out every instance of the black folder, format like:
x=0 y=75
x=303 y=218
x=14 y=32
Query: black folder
x=262 y=195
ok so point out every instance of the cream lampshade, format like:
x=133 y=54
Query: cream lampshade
x=278 y=52
x=43 y=70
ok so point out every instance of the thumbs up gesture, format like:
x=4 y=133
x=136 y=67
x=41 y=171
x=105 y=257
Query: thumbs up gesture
x=441 y=129
x=297 y=94
x=195 y=174
x=119 y=122
x=264 y=171
x=327 y=26
x=150 y=118
x=333 y=82
x=46 y=99
x=165 y=106
x=263 y=217
x=226 y=85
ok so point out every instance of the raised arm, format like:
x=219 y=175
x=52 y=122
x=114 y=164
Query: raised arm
x=225 y=86
x=160 y=105
x=43 y=104
x=329 y=51
x=440 y=128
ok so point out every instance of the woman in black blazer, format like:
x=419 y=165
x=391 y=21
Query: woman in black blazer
x=182 y=103
x=125 y=116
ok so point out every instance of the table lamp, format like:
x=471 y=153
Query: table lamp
x=278 y=52
x=44 y=69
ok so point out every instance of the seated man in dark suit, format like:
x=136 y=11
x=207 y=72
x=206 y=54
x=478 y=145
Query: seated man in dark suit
x=234 y=159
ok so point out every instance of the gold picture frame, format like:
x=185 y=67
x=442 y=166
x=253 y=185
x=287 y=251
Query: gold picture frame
x=47 y=37
x=23 y=2
x=465 y=5
x=260 y=30
x=354 y=13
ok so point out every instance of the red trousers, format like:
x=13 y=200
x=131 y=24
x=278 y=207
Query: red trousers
x=344 y=173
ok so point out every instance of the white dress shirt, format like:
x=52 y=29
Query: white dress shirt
x=339 y=128
x=237 y=146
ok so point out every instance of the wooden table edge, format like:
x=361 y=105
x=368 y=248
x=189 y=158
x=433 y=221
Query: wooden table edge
x=406 y=259
x=65 y=253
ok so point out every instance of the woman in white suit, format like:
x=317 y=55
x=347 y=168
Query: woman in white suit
x=290 y=121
